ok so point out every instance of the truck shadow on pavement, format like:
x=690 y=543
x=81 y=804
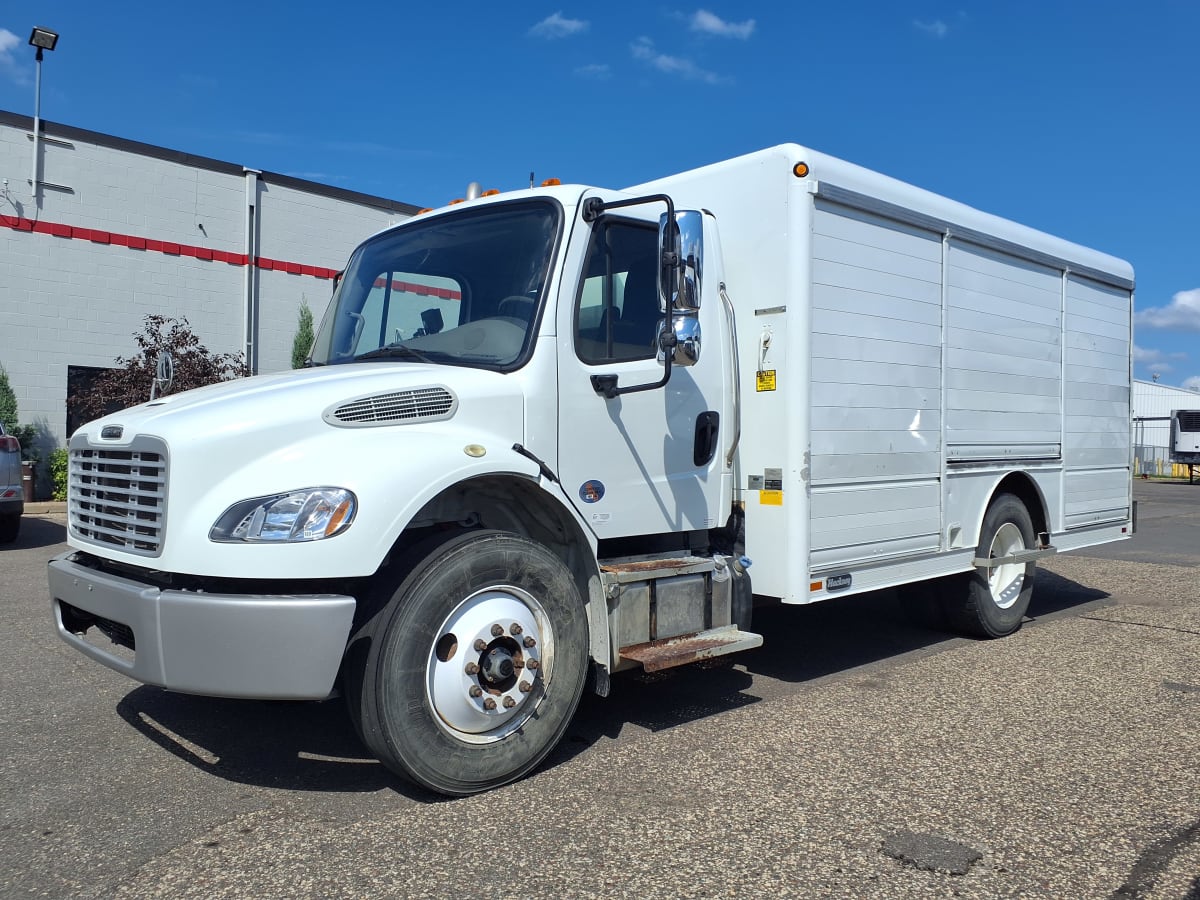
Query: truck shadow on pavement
x=38 y=532
x=313 y=747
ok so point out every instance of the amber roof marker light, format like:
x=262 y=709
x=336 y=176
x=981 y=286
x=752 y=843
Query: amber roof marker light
x=800 y=169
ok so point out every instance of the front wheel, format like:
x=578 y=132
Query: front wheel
x=473 y=668
x=992 y=602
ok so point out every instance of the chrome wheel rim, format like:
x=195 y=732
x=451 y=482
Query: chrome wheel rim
x=489 y=663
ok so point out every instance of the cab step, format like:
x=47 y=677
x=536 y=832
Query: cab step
x=688 y=648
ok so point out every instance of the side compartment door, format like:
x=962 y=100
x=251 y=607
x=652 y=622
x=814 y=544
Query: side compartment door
x=639 y=463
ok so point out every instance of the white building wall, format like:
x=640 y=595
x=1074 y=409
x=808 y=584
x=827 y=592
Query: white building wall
x=125 y=229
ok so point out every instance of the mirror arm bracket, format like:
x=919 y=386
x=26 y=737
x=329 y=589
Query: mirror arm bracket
x=606 y=385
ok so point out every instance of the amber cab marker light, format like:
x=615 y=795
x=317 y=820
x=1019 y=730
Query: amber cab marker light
x=551 y=182
x=800 y=169
x=814 y=586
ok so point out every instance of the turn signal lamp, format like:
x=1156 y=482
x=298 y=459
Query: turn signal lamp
x=800 y=169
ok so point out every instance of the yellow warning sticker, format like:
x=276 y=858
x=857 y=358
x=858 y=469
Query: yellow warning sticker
x=765 y=380
x=770 y=498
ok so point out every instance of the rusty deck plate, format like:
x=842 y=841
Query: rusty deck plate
x=678 y=651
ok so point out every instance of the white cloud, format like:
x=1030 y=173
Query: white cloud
x=643 y=49
x=599 y=71
x=558 y=26
x=703 y=20
x=1182 y=313
x=8 y=57
x=937 y=28
x=1156 y=359
x=1191 y=384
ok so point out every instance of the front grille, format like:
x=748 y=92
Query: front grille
x=118 y=497
x=426 y=404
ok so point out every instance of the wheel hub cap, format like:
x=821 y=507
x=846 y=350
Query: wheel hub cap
x=488 y=662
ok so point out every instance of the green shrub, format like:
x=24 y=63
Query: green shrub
x=303 y=341
x=58 y=473
x=8 y=403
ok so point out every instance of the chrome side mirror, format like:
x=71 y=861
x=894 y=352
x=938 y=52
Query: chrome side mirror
x=683 y=339
x=681 y=261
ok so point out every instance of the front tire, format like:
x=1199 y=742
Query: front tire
x=472 y=669
x=992 y=602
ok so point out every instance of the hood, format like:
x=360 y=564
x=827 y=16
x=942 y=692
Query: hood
x=273 y=405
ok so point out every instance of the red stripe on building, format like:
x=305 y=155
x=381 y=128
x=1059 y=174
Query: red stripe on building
x=170 y=248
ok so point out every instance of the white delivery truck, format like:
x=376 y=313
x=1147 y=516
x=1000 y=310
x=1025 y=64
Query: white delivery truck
x=513 y=461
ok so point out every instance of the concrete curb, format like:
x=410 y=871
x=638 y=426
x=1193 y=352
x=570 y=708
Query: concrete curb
x=46 y=508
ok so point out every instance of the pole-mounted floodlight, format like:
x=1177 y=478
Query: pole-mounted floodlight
x=43 y=39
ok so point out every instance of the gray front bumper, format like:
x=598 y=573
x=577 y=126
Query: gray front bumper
x=224 y=645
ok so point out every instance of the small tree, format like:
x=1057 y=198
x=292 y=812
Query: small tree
x=302 y=343
x=128 y=384
x=8 y=403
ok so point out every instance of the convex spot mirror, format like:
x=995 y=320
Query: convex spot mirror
x=681 y=261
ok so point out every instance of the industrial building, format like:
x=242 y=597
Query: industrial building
x=117 y=229
x=1153 y=404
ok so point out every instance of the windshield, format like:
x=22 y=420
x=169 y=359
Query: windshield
x=461 y=289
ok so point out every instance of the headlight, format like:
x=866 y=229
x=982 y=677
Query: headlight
x=308 y=514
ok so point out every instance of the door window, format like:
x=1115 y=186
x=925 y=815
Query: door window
x=617 y=311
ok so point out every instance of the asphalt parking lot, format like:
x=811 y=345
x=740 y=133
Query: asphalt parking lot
x=854 y=755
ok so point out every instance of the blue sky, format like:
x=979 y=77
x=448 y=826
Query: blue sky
x=1079 y=118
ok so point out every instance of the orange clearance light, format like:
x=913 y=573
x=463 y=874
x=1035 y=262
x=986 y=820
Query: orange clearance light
x=456 y=200
x=551 y=182
x=425 y=210
x=338 y=519
x=800 y=169
x=814 y=586
x=492 y=192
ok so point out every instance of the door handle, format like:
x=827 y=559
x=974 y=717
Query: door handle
x=707 y=426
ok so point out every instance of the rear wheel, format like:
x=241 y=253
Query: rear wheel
x=992 y=602
x=471 y=671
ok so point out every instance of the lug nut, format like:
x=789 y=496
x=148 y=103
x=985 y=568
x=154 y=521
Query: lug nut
x=509 y=702
x=515 y=628
x=472 y=668
x=497 y=630
x=529 y=641
x=533 y=664
x=489 y=704
x=525 y=687
x=476 y=691
x=480 y=644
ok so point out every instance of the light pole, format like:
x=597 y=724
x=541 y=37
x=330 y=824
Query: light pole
x=43 y=39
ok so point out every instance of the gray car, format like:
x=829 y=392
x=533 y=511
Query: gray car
x=12 y=499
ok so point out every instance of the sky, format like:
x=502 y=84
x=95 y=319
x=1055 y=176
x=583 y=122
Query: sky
x=1078 y=118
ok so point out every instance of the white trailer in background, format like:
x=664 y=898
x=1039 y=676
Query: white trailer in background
x=1185 y=439
x=513 y=460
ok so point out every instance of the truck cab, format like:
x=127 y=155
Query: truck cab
x=504 y=467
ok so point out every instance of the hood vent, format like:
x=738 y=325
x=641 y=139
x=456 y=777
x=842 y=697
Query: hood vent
x=425 y=404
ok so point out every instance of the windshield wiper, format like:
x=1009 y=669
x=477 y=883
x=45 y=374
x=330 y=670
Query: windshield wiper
x=394 y=351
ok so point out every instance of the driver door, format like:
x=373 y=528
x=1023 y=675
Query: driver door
x=633 y=464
